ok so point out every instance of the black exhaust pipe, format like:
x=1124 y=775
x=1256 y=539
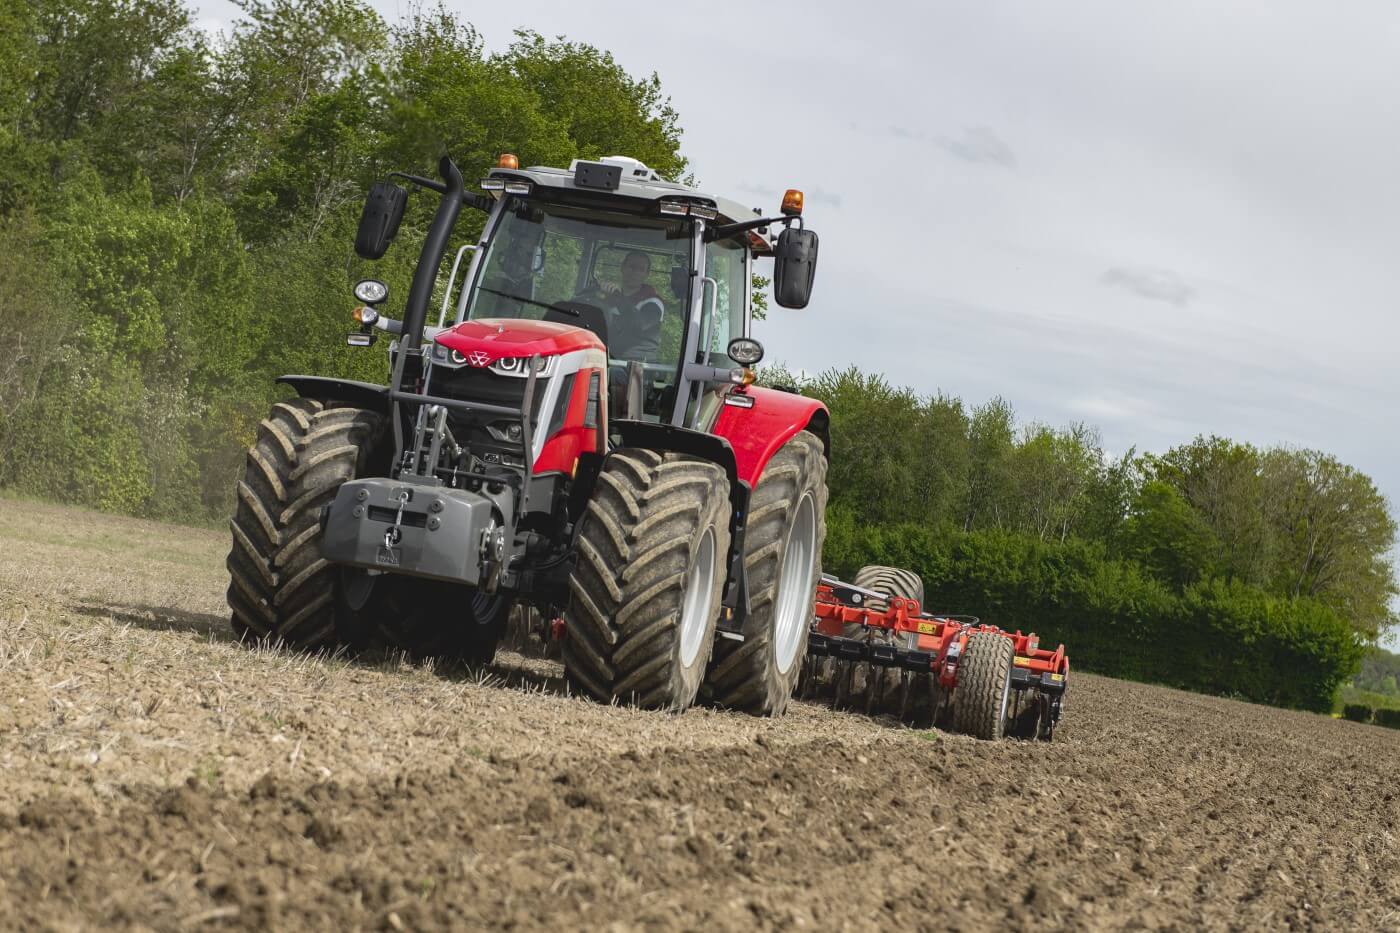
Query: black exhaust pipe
x=415 y=313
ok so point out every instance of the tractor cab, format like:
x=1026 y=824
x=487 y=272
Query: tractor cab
x=647 y=265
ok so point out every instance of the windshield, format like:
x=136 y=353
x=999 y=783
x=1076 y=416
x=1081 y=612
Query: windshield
x=621 y=275
x=631 y=269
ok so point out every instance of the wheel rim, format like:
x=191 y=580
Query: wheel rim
x=698 y=604
x=1000 y=726
x=796 y=586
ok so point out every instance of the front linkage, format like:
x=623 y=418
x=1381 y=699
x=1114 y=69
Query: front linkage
x=931 y=669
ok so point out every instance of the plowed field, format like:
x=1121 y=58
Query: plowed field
x=153 y=774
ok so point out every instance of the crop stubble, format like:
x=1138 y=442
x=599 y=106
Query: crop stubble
x=154 y=774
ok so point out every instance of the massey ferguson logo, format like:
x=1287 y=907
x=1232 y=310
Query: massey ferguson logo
x=478 y=358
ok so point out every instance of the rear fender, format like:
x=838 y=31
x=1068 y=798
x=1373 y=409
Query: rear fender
x=755 y=433
x=360 y=394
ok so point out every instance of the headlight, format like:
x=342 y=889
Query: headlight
x=371 y=291
x=520 y=366
x=745 y=351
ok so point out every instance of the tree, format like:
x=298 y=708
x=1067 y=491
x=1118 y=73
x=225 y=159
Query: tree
x=1168 y=537
x=1332 y=532
x=1221 y=480
x=991 y=445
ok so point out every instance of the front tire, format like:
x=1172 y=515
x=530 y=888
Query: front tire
x=280 y=588
x=782 y=558
x=645 y=594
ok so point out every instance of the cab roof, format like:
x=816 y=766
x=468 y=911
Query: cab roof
x=615 y=178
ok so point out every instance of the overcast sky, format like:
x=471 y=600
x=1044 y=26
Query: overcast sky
x=1166 y=219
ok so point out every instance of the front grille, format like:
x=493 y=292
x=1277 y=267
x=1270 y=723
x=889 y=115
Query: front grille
x=473 y=384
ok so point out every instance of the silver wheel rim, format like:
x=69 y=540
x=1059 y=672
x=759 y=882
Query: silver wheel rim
x=796 y=585
x=698 y=605
x=1005 y=701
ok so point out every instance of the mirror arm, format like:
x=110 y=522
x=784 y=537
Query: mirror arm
x=727 y=230
x=479 y=201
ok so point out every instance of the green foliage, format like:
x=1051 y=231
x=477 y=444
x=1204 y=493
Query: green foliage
x=1390 y=718
x=176 y=215
x=1356 y=712
x=1380 y=670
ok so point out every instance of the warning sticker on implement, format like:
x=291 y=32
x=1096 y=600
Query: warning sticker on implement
x=1023 y=662
x=927 y=628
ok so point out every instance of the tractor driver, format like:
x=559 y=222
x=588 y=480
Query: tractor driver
x=634 y=311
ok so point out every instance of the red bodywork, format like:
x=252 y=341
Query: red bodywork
x=945 y=639
x=487 y=340
x=757 y=433
x=561 y=450
x=504 y=338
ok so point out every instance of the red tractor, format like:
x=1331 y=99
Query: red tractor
x=584 y=441
x=583 y=437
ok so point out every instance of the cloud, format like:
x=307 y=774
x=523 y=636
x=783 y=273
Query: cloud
x=772 y=195
x=979 y=145
x=1151 y=284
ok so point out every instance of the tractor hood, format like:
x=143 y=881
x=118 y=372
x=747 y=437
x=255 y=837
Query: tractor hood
x=486 y=340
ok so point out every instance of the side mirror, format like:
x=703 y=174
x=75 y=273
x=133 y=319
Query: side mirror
x=794 y=267
x=379 y=221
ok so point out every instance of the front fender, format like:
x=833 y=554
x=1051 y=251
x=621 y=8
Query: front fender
x=757 y=433
x=361 y=394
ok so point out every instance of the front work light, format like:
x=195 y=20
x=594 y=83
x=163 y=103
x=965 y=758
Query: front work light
x=371 y=291
x=745 y=351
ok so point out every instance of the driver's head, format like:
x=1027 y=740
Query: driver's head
x=518 y=260
x=636 y=266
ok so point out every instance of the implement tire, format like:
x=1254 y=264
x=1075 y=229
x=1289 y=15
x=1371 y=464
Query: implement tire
x=646 y=589
x=982 y=696
x=280 y=588
x=884 y=687
x=892 y=581
x=782 y=557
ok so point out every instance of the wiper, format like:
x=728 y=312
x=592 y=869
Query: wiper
x=528 y=301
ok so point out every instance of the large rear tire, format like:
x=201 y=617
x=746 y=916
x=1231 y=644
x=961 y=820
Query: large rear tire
x=645 y=594
x=983 y=694
x=782 y=558
x=280 y=588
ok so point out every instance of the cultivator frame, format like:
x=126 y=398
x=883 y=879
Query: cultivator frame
x=899 y=659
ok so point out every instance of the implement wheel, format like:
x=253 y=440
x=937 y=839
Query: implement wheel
x=647 y=586
x=884 y=688
x=281 y=589
x=892 y=581
x=983 y=694
x=782 y=557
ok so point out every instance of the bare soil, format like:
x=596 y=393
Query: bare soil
x=156 y=775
